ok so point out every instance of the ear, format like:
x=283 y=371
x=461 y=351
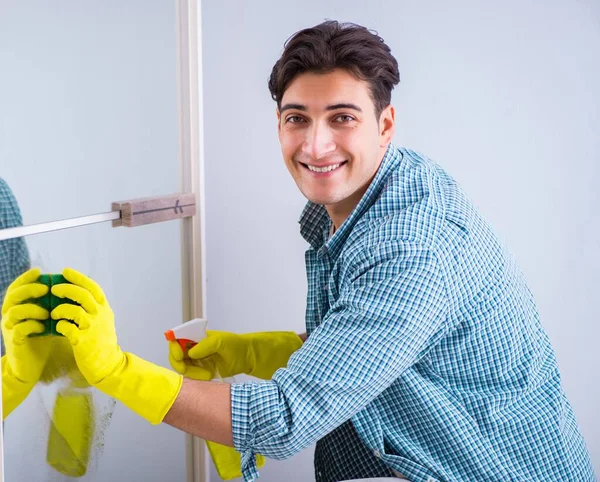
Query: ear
x=278 y=120
x=387 y=125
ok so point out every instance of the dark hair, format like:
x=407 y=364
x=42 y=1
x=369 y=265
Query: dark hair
x=331 y=45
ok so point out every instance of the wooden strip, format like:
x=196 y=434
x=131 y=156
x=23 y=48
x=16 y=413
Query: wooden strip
x=138 y=212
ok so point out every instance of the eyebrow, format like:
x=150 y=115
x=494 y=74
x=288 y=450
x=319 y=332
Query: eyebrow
x=329 y=107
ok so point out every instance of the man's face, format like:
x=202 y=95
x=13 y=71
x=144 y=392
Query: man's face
x=331 y=141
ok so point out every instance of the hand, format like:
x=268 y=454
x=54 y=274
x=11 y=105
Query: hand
x=204 y=369
x=147 y=389
x=228 y=354
x=25 y=356
x=91 y=329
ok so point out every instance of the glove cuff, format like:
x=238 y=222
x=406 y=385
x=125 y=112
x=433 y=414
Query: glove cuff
x=147 y=389
x=271 y=351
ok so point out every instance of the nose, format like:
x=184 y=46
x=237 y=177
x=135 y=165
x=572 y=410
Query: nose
x=319 y=141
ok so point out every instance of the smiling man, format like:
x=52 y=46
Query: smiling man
x=423 y=357
x=333 y=138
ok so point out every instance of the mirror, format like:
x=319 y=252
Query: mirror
x=73 y=431
x=89 y=104
x=89 y=116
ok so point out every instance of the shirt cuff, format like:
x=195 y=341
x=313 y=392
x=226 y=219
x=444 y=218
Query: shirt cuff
x=248 y=403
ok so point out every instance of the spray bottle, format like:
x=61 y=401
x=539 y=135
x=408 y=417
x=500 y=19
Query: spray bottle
x=188 y=335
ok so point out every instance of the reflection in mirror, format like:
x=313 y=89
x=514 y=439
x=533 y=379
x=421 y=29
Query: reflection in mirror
x=72 y=431
x=14 y=256
x=34 y=355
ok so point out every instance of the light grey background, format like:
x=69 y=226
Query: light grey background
x=88 y=103
x=88 y=115
x=504 y=95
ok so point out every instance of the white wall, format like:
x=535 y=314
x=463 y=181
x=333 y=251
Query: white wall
x=503 y=95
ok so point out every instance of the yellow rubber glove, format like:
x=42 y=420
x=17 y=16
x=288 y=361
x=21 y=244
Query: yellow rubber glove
x=25 y=358
x=228 y=461
x=258 y=354
x=146 y=388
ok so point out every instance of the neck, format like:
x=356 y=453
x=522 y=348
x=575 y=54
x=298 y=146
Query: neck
x=340 y=211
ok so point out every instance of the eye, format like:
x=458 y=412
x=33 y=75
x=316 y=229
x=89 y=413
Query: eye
x=344 y=118
x=294 y=119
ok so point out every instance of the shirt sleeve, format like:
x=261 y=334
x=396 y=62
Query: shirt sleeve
x=20 y=257
x=14 y=256
x=14 y=252
x=391 y=309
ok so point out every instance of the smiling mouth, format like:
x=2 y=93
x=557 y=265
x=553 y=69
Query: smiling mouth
x=325 y=169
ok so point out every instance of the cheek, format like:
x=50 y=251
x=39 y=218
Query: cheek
x=356 y=137
x=352 y=143
x=290 y=143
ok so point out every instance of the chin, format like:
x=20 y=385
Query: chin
x=325 y=200
x=316 y=199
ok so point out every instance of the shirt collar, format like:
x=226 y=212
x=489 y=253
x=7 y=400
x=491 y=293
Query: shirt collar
x=315 y=223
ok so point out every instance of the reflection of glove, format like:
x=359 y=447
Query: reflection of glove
x=73 y=419
x=71 y=432
x=61 y=363
x=228 y=354
x=25 y=356
x=147 y=389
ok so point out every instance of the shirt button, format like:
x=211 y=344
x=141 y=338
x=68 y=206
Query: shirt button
x=377 y=454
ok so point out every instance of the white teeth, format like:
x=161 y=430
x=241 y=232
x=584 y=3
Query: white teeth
x=323 y=169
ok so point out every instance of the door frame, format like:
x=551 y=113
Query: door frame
x=191 y=157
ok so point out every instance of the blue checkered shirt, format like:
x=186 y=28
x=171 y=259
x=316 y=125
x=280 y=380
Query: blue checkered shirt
x=14 y=257
x=424 y=350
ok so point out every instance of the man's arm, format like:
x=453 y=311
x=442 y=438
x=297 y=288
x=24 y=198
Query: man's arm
x=210 y=404
x=203 y=409
x=381 y=323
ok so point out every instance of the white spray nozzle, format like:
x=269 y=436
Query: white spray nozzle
x=189 y=333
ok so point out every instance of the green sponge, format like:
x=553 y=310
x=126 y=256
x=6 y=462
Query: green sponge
x=49 y=302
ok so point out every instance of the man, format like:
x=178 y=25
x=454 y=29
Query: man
x=424 y=355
